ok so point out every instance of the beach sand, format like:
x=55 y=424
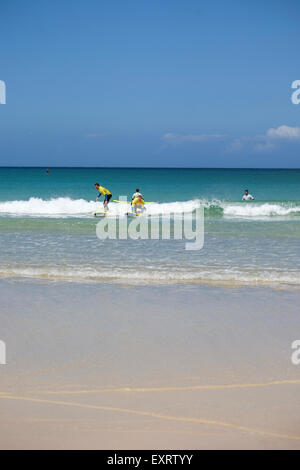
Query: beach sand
x=104 y=366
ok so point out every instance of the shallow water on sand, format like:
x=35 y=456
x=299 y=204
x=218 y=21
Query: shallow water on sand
x=101 y=366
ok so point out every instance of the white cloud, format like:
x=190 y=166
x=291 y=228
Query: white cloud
x=284 y=132
x=265 y=142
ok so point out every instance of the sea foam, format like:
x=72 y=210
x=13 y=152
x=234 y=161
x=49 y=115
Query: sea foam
x=67 y=207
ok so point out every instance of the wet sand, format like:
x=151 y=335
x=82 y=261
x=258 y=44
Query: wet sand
x=94 y=366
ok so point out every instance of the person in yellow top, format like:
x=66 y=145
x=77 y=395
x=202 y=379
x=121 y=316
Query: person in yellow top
x=106 y=193
x=138 y=204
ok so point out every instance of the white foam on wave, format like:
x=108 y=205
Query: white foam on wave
x=40 y=207
x=218 y=276
x=66 y=207
x=261 y=210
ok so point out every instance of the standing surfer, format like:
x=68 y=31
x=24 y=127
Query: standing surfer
x=136 y=194
x=106 y=193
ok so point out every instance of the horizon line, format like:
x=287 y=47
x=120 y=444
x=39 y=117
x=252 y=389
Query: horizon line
x=148 y=167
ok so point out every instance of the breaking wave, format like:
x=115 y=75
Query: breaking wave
x=67 y=207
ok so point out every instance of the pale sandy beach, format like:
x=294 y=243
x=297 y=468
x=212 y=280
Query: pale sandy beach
x=103 y=366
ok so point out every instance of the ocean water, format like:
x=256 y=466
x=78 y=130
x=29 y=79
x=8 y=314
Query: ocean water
x=48 y=230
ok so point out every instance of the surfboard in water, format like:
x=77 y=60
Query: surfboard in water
x=132 y=214
x=100 y=214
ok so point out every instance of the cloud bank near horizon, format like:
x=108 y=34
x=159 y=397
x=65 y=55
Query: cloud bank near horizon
x=270 y=140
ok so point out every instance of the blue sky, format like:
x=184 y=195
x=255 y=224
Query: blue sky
x=150 y=83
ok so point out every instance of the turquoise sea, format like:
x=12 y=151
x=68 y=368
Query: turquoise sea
x=48 y=230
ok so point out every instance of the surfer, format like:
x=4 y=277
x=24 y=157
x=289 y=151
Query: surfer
x=138 y=204
x=247 y=196
x=106 y=193
x=136 y=194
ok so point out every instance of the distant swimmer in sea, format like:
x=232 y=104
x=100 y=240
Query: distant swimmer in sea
x=138 y=204
x=247 y=196
x=106 y=193
x=135 y=195
x=48 y=171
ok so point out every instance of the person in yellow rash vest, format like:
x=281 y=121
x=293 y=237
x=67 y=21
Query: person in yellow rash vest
x=106 y=193
x=138 y=204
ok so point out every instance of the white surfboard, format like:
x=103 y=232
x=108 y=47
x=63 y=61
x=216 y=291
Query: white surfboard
x=100 y=214
x=132 y=214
